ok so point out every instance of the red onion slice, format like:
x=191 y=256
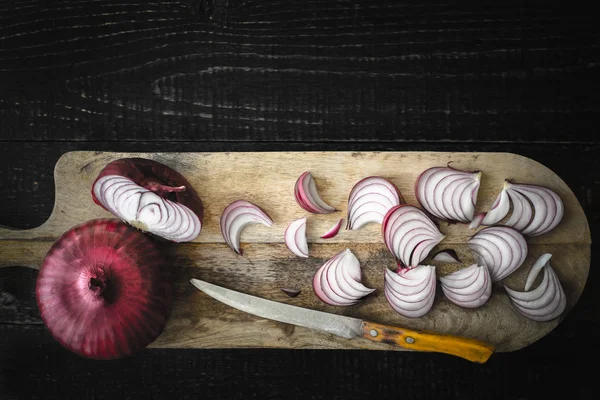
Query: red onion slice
x=338 y=281
x=477 y=221
x=333 y=231
x=236 y=216
x=392 y=222
x=499 y=209
x=447 y=255
x=291 y=292
x=307 y=196
x=295 y=237
x=411 y=292
x=547 y=301
x=547 y=205
x=468 y=288
x=448 y=193
x=369 y=201
x=500 y=248
x=535 y=270
x=409 y=234
x=522 y=211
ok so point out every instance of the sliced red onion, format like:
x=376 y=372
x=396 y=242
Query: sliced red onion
x=522 y=211
x=477 y=221
x=448 y=256
x=547 y=301
x=236 y=216
x=448 y=193
x=291 y=292
x=409 y=234
x=305 y=191
x=333 y=231
x=410 y=292
x=338 y=281
x=500 y=248
x=369 y=201
x=295 y=237
x=548 y=208
x=535 y=269
x=499 y=209
x=146 y=210
x=150 y=196
x=470 y=287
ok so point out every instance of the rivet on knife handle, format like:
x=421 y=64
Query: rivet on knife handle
x=470 y=349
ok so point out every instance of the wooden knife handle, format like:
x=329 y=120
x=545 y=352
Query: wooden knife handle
x=470 y=349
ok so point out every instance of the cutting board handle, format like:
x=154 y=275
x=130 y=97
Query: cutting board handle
x=23 y=248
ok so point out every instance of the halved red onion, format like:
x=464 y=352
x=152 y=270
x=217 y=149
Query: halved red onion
x=333 y=231
x=295 y=237
x=500 y=248
x=448 y=193
x=547 y=301
x=499 y=209
x=369 y=201
x=469 y=287
x=409 y=234
x=447 y=255
x=151 y=197
x=548 y=208
x=410 y=292
x=338 y=281
x=305 y=191
x=104 y=290
x=236 y=216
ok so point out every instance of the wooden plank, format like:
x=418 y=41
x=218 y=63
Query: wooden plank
x=267 y=179
x=307 y=71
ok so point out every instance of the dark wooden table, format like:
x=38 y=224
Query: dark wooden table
x=229 y=75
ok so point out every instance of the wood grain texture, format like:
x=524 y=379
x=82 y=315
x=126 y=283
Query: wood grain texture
x=267 y=179
x=298 y=71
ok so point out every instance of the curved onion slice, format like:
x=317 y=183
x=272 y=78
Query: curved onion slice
x=499 y=209
x=448 y=193
x=236 y=216
x=305 y=191
x=470 y=287
x=338 y=281
x=548 y=208
x=146 y=210
x=333 y=231
x=370 y=199
x=410 y=291
x=545 y=302
x=500 y=248
x=409 y=234
x=448 y=256
x=295 y=237
x=291 y=292
x=477 y=221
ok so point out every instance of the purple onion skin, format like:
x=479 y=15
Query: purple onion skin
x=104 y=290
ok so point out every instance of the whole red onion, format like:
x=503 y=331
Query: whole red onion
x=103 y=290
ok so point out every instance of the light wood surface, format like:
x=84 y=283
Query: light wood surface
x=267 y=179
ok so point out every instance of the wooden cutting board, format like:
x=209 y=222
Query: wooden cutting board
x=267 y=179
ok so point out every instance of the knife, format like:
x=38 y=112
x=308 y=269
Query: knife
x=350 y=328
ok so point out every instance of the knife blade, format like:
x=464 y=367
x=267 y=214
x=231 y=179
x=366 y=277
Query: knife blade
x=348 y=327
